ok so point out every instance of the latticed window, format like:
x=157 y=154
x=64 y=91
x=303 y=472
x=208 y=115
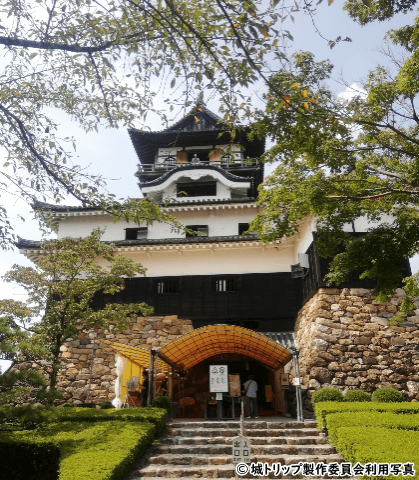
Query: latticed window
x=167 y=286
x=227 y=285
x=136 y=233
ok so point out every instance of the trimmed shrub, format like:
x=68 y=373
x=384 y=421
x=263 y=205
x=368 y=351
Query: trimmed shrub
x=27 y=416
x=106 y=404
x=335 y=421
x=327 y=395
x=101 y=451
x=357 y=396
x=380 y=445
x=69 y=405
x=28 y=459
x=162 y=402
x=157 y=416
x=323 y=409
x=387 y=395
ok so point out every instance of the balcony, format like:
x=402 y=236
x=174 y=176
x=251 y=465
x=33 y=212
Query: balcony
x=226 y=163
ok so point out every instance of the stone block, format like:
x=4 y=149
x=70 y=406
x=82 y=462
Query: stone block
x=322 y=305
x=400 y=292
x=335 y=307
x=321 y=345
x=380 y=321
x=327 y=338
x=314 y=384
x=334 y=367
x=413 y=387
x=170 y=317
x=369 y=309
x=323 y=375
x=352 y=310
x=185 y=329
x=352 y=381
x=100 y=370
x=360 y=292
x=66 y=355
x=398 y=341
x=372 y=326
x=318 y=362
x=361 y=340
x=327 y=356
x=361 y=317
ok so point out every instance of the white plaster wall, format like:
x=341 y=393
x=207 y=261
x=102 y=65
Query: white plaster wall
x=223 y=192
x=221 y=222
x=304 y=237
x=212 y=261
x=362 y=224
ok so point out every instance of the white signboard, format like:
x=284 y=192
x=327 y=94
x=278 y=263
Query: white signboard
x=241 y=449
x=218 y=376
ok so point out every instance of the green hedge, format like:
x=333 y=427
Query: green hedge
x=335 y=421
x=99 y=451
x=323 y=409
x=157 y=416
x=381 y=445
x=28 y=458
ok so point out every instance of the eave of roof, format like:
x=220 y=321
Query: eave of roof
x=165 y=176
x=37 y=245
x=173 y=203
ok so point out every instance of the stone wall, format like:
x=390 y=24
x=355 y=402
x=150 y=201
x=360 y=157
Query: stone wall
x=145 y=332
x=345 y=342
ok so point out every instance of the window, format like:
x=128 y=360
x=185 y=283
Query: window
x=197 y=189
x=201 y=229
x=167 y=286
x=136 y=233
x=243 y=227
x=227 y=285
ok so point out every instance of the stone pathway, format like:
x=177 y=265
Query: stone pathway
x=203 y=450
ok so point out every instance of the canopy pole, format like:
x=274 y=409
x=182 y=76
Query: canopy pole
x=295 y=354
x=150 y=377
x=154 y=373
x=170 y=383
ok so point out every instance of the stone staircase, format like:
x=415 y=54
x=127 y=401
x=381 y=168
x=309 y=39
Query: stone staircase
x=203 y=449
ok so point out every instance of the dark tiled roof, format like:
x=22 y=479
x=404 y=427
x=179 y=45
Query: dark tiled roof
x=65 y=208
x=185 y=133
x=286 y=339
x=33 y=244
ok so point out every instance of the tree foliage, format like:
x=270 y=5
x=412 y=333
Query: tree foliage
x=61 y=288
x=341 y=160
x=107 y=62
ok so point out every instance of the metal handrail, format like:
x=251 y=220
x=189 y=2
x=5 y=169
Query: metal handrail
x=228 y=164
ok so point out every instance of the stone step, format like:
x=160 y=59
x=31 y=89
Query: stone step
x=247 y=423
x=314 y=440
x=256 y=432
x=189 y=450
x=225 y=471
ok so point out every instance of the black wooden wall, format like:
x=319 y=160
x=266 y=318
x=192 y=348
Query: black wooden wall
x=263 y=301
x=319 y=267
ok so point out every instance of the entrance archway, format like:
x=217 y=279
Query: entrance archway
x=227 y=343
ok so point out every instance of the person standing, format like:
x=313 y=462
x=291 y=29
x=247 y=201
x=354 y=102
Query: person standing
x=145 y=389
x=251 y=401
